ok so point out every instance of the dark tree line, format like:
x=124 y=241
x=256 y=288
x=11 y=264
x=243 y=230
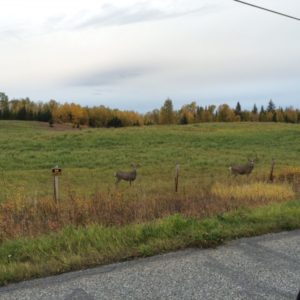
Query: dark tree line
x=101 y=116
x=24 y=109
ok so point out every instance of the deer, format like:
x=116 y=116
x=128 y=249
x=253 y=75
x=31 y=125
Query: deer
x=127 y=176
x=243 y=169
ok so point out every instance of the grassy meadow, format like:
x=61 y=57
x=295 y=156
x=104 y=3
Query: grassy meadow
x=90 y=157
x=90 y=202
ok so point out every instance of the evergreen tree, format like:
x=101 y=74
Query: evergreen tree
x=271 y=106
x=254 y=110
x=238 y=109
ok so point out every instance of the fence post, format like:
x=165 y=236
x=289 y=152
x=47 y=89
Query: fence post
x=56 y=171
x=176 y=177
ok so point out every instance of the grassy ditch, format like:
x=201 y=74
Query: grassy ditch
x=79 y=247
x=26 y=217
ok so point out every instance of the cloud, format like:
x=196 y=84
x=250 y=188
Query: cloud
x=111 y=15
x=110 y=77
x=55 y=22
x=12 y=33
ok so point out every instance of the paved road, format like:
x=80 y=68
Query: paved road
x=266 y=267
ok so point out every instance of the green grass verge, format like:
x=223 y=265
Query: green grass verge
x=75 y=248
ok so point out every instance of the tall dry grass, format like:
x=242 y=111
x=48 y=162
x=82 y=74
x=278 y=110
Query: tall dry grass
x=254 y=193
x=23 y=216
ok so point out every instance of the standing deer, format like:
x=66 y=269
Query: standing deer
x=242 y=169
x=127 y=176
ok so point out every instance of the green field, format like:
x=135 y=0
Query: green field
x=96 y=222
x=90 y=157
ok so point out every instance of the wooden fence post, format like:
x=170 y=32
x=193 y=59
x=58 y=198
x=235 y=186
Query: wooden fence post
x=176 y=177
x=271 y=176
x=56 y=171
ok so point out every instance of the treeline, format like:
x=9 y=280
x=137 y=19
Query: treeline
x=54 y=112
x=101 y=116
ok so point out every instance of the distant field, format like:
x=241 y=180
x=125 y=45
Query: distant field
x=90 y=157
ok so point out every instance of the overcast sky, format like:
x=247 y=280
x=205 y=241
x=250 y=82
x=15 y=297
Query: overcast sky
x=132 y=54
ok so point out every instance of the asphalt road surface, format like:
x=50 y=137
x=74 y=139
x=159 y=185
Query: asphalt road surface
x=266 y=267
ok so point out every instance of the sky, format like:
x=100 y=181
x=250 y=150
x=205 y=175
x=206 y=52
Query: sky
x=133 y=55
